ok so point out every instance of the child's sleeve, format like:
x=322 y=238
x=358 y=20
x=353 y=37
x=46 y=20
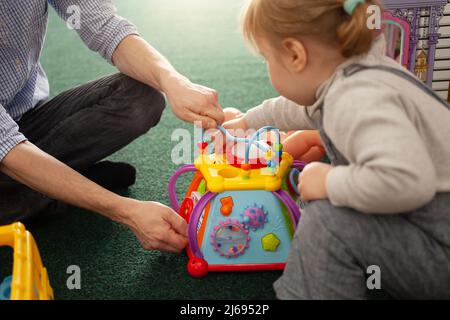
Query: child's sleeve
x=281 y=113
x=390 y=169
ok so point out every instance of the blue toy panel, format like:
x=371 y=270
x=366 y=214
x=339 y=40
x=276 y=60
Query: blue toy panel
x=261 y=217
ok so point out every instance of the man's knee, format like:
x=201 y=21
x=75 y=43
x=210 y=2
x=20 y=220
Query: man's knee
x=144 y=106
x=147 y=111
x=21 y=204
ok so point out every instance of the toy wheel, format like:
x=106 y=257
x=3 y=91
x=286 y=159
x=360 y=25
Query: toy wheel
x=197 y=268
x=186 y=209
x=230 y=238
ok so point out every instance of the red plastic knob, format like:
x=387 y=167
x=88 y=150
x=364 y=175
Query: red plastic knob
x=197 y=268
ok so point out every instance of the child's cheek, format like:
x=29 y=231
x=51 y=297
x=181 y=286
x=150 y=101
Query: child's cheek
x=278 y=85
x=282 y=84
x=275 y=78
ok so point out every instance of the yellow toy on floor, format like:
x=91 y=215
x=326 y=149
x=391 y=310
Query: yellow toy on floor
x=29 y=280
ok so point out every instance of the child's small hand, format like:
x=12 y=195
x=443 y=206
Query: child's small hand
x=312 y=181
x=236 y=124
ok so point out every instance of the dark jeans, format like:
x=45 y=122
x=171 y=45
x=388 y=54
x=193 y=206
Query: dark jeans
x=334 y=247
x=81 y=127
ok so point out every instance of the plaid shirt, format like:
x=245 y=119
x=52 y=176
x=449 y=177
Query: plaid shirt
x=23 y=24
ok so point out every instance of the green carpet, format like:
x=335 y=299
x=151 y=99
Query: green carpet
x=201 y=38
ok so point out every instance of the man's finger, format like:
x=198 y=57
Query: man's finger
x=163 y=246
x=206 y=122
x=177 y=223
x=214 y=112
x=215 y=94
x=175 y=241
x=210 y=110
x=211 y=95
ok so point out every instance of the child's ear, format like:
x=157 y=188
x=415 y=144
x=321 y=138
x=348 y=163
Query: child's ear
x=297 y=55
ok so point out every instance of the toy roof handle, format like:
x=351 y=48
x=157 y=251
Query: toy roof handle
x=231 y=137
x=253 y=140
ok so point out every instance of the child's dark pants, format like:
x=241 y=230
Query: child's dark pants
x=334 y=247
x=81 y=127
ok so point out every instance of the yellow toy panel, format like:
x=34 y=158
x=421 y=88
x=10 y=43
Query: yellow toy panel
x=29 y=279
x=220 y=176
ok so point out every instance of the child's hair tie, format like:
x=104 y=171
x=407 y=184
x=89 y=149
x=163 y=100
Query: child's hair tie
x=350 y=5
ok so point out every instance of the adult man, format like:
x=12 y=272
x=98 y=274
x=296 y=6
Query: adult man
x=45 y=144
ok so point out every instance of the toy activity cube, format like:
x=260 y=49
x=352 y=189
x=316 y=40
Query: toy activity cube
x=241 y=207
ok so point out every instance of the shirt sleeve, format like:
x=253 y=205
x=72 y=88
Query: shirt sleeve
x=9 y=133
x=100 y=28
x=279 y=112
x=390 y=168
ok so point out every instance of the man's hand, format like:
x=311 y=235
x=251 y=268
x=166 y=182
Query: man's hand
x=156 y=226
x=312 y=181
x=192 y=102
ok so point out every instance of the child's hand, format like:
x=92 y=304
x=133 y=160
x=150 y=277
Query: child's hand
x=312 y=181
x=235 y=124
x=304 y=145
x=236 y=127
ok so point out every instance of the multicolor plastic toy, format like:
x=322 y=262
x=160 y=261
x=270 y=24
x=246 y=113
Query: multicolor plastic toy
x=29 y=280
x=241 y=206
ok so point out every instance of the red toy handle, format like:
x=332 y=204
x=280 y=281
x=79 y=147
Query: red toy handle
x=186 y=209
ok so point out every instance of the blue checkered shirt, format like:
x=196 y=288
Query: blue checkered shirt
x=23 y=24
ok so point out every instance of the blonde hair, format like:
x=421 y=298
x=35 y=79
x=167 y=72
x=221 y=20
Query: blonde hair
x=326 y=20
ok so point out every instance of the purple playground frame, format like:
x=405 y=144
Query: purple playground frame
x=193 y=223
x=298 y=164
x=172 y=185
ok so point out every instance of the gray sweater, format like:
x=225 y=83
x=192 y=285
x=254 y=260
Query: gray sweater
x=395 y=137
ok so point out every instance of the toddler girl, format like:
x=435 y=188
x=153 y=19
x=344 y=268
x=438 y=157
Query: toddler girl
x=379 y=216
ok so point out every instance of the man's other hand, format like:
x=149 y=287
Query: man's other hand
x=156 y=226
